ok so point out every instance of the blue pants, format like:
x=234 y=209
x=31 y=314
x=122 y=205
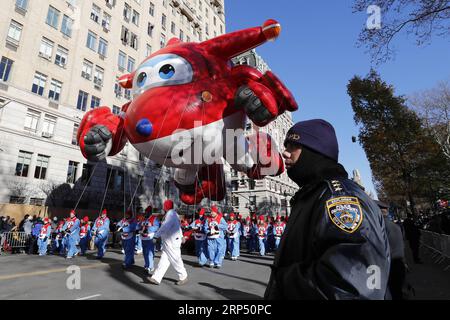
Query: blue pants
x=84 y=243
x=100 y=243
x=233 y=247
x=215 y=249
x=63 y=245
x=138 y=245
x=128 y=247
x=72 y=246
x=201 y=251
x=42 y=245
x=277 y=242
x=262 y=246
x=148 y=248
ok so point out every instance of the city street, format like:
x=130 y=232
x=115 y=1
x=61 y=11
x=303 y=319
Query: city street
x=34 y=277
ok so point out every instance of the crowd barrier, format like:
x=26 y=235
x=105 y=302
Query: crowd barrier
x=438 y=245
x=12 y=241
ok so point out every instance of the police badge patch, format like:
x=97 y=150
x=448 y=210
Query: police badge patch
x=345 y=213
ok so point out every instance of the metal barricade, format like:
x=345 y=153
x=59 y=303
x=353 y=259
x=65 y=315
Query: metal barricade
x=438 y=245
x=12 y=241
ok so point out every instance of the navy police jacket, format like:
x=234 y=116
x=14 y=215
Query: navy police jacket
x=335 y=246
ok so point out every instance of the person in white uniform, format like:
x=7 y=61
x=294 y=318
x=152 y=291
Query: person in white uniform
x=171 y=238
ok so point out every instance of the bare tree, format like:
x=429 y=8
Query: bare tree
x=434 y=107
x=20 y=190
x=422 y=19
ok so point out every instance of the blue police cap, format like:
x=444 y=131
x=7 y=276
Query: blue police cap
x=317 y=134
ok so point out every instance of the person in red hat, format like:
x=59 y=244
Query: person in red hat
x=201 y=247
x=72 y=234
x=85 y=231
x=171 y=237
x=262 y=235
x=147 y=230
x=138 y=246
x=248 y=233
x=233 y=237
x=44 y=237
x=100 y=233
x=127 y=227
x=278 y=230
x=215 y=228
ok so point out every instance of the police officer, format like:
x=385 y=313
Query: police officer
x=44 y=237
x=335 y=245
x=100 y=233
x=128 y=227
x=72 y=234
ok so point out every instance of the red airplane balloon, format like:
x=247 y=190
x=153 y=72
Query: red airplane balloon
x=187 y=98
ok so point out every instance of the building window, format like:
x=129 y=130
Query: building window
x=14 y=32
x=162 y=41
x=5 y=68
x=102 y=47
x=181 y=35
x=41 y=167
x=95 y=102
x=55 y=90
x=32 y=120
x=52 y=17
x=106 y=22
x=125 y=35
x=152 y=9
x=82 y=100
x=127 y=94
x=131 y=64
x=23 y=163
x=39 y=83
x=46 y=49
x=149 y=50
x=251 y=184
x=163 y=21
x=117 y=90
x=98 y=76
x=134 y=41
x=173 y=28
x=252 y=200
x=135 y=18
x=150 y=29
x=61 y=56
x=74 y=134
x=72 y=172
x=127 y=12
x=122 y=60
x=22 y=4
x=66 y=26
x=37 y=201
x=48 y=127
x=95 y=13
x=116 y=110
x=87 y=70
x=16 y=200
x=234 y=185
x=235 y=201
x=91 y=40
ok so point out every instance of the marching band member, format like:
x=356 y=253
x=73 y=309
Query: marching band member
x=44 y=237
x=58 y=247
x=201 y=247
x=84 y=235
x=248 y=233
x=71 y=230
x=233 y=237
x=147 y=228
x=100 y=233
x=138 y=241
x=262 y=235
x=127 y=227
x=214 y=228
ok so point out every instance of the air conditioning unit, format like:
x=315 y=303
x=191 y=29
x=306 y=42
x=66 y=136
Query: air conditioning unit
x=47 y=135
x=43 y=55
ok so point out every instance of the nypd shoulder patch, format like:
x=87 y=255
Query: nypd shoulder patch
x=345 y=213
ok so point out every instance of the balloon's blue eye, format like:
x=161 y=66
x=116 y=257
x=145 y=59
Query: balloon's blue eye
x=166 y=72
x=141 y=79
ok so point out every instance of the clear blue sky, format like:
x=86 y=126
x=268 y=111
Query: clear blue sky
x=316 y=55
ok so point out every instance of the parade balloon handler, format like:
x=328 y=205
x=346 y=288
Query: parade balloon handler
x=128 y=227
x=201 y=246
x=233 y=237
x=100 y=233
x=71 y=231
x=215 y=228
x=85 y=231
x=171 y=238
x=194 y=87
x=44 y=237
x=147 y=229
x=335 y=245
x=262 y=228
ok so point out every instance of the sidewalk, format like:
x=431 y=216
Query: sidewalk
x=429 y=280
